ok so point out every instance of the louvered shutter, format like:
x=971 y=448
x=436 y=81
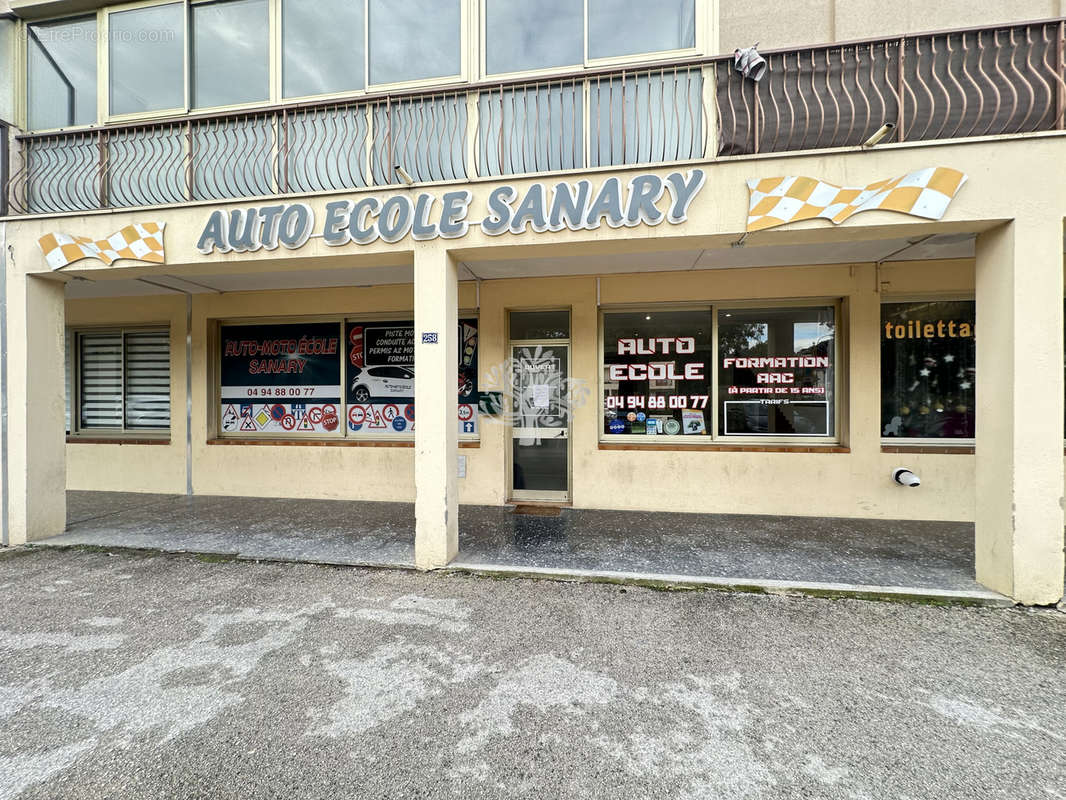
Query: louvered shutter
x=148 y=379
x=100 y=380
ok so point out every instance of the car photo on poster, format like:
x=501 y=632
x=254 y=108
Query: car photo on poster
x=373 y=382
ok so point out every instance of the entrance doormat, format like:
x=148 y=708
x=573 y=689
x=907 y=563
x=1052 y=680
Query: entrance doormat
x=537 y=511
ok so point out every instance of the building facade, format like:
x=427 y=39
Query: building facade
x=486 y=251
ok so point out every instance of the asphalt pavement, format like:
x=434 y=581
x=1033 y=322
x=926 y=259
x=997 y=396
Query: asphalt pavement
x=128 y=675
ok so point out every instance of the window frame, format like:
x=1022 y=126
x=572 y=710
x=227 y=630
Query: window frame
x=277 y=76
x=22 y=73
x=912 y=297
x=713 y=437
x=698 y=44
x=77 y=430
x=214 y=412
x=463 y=76
x=104 y=57
x=273 y=67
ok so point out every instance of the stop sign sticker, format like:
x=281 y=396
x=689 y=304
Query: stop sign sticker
x=329 y=418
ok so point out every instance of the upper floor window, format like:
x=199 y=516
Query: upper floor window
x=415 y=40
x=630 y=27
x=230 y=53
x=61 y=73
x=146 y=59
x=173 y=56
x=323 y=47
x=522 y=36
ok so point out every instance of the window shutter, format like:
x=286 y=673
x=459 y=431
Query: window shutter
x=100 y=380
x=148 y=379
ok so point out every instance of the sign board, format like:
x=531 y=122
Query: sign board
x=646 y=199
x=281 y=378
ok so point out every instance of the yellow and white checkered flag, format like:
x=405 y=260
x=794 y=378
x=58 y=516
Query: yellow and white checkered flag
x=922 y=193
x=138 y=242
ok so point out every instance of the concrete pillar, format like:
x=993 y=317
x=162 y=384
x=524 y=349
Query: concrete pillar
x=1020 y=410
x=436 y=406
x=35 y=445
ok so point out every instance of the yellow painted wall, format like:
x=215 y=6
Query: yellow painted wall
x=855 y=484
x=130 y=467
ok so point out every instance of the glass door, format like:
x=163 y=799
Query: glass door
x=540 y=432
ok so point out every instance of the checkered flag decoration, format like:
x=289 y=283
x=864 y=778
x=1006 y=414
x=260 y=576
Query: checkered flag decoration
x=138 y=242
x=922 y=193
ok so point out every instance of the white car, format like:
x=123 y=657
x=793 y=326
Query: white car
x=371 y=382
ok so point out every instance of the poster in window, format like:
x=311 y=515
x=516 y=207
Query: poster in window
x=381 y=378
x=657 y=372
x=776 y=371
x=281 y=379
x=928 y=370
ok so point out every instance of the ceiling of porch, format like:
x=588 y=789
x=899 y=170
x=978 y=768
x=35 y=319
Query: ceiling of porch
x=916 y=248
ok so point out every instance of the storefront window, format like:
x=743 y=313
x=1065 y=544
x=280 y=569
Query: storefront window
x=146 y=59
x=322 y=47
x=381 y=378
x=414 y=40
x=303 y=378
x=657 y=372
x=627 y=27
x=61 y=73
x=123 y=380
x=928 y=368
x=520 y=35
x=230 y=53
x=776 y=370
x=281 y=379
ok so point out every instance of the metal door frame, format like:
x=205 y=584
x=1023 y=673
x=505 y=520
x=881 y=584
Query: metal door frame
x=526 y=495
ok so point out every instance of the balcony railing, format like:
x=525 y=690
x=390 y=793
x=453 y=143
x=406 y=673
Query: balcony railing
x=975 y=82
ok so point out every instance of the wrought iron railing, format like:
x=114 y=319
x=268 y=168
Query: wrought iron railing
x=975 y=82
x=957 y=84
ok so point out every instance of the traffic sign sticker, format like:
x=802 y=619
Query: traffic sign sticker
x=330 y=421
